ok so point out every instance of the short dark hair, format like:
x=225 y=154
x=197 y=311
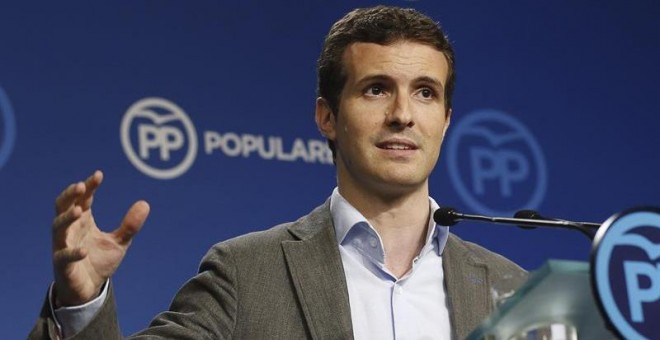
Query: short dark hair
x=382 y=25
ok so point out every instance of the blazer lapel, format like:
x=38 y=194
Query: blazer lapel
x=318 y=275
x=468 y=288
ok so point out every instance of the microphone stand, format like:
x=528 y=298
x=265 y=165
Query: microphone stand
x=449 y=217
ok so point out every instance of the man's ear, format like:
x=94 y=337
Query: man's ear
x=326 y=121
x=447 y=121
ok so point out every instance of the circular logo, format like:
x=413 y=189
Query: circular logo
x=154 y=132
x=626 y=272
x=7 y=128
x=496 y=164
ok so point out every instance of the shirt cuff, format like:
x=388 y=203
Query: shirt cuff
x=71 y=320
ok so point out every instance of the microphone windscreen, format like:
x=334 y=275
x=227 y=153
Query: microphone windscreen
x=445 y=216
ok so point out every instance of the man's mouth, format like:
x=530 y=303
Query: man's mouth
x=397 y=145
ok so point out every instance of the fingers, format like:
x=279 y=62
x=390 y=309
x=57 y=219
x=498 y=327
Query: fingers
x=81 y=193
x=91 y=184
x=70 y=206
x=64 y=201
x=63 y=220
x=133 y=221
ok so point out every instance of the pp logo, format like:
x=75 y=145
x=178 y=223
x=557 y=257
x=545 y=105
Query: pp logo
x=154 y=134
x=626 y=272
x=7 y=128
x=495 y=163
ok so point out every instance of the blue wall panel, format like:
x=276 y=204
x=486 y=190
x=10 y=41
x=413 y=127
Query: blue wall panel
x=580 y=77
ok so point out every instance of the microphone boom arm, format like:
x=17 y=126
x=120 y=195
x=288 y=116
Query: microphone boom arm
x=449 y=216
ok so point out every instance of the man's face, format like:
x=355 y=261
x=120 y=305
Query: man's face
x=392 y=116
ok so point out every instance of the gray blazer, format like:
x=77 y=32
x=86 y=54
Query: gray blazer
x=288 y=283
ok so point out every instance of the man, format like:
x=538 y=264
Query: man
x=370 y=263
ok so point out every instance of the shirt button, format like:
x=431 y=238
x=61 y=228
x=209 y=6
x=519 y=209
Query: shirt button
x=373 y=242
x=398 y=289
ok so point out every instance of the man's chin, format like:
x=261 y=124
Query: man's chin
x=403 y=185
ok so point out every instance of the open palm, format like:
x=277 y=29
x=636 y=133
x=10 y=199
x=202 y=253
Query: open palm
x=84 y=257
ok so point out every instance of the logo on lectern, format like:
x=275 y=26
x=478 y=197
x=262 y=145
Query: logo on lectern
x=626 y=272
x=495 y=163
x=7 y=128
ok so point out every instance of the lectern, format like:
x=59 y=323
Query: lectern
x=557 y=298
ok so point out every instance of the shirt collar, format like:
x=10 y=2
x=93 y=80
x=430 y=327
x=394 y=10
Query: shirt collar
x=346 y=217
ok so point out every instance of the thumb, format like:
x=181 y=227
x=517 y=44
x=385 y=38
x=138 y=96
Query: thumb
x=132 y=222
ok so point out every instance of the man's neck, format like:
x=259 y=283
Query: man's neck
x=400 y=220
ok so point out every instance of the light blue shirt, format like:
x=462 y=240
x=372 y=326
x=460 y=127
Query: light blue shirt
x=383 y=306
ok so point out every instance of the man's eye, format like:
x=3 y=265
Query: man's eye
x=375 y=90
x=426 y=93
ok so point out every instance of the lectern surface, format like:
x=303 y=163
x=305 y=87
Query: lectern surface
x=557 y=293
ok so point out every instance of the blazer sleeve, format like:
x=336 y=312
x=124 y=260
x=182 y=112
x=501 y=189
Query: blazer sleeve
x=204 y=308
x=104 y=325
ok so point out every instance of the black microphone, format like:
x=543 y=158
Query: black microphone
x=449 y=216
x=446 y=216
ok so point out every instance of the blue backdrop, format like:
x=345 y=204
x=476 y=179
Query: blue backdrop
x=555 y=109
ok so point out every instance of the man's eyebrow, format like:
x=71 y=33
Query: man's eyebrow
x=430 y=80
x=373 y=78
x=385 y=78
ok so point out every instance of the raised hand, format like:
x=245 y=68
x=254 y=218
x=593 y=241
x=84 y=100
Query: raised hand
x=84 y=257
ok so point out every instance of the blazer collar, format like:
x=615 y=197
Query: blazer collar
x=317 y=273
x=468 y=288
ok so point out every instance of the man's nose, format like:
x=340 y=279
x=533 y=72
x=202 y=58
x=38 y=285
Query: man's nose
x=400 y=113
